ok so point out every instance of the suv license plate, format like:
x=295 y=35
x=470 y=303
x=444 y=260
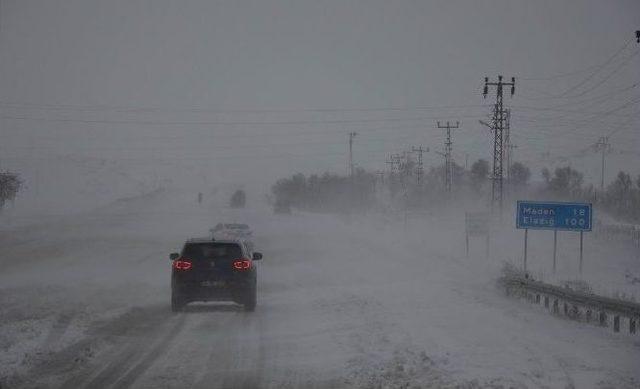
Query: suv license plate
x=214 y=284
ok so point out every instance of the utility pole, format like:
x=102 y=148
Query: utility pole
x=448 y=147
x=419 y=168
x=405 y=163
x=393 y=161
x=498 y=126
x=351 y=136
x=603 y=145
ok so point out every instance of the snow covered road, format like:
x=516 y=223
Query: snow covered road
x=341 y=303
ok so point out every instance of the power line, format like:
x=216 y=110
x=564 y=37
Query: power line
x=598 y=67
x=227 y=123
x=141 y=109
x=599 y=116
x=620 y=127
x=596 y=71
x=615 y=92
x=554 y=109
x=606 y=78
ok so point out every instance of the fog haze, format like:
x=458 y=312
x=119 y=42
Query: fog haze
x=79 y=77
x=313 y=133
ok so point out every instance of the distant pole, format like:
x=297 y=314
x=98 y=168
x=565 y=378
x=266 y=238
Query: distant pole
x=467 y=242
x=448 y=147
x=420 y=168
x=603 y=145
x=351 y=136
x=487 y=245
x=602 y=173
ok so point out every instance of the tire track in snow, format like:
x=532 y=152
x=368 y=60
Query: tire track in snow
x=238 y=355
x=129 y=360
x=160 y=348
x=125 y=369
x=58 y=329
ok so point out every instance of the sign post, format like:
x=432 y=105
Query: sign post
x=526 y=236
x=477 y=224
x=580 y=252
x=555 y=249
x=556 y=216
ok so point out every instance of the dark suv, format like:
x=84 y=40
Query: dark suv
x=213 y=270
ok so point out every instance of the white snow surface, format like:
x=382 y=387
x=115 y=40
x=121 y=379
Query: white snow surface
x=344 y=301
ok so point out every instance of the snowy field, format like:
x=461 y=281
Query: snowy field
x=362 y=302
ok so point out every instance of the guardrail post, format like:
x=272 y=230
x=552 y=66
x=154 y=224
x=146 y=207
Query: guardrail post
x=603 y=319
x=616 y=323
x=632 y=325
x=546 y=301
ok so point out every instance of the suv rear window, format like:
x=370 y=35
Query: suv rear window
x=212 y=251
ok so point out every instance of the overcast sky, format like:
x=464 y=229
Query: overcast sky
x=77 y=76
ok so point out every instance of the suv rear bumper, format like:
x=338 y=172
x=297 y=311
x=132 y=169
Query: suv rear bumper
x=233 y=291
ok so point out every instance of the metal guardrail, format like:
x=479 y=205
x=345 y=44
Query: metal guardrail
x=628 y=232
x=576 y=305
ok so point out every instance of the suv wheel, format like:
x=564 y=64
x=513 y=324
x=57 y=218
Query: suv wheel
x=251 y=299
x=177 y=302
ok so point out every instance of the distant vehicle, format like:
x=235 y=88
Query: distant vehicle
x=237 y=231
x=282 y=208
x=231 y=231
x=208 y=270
x=238 y=199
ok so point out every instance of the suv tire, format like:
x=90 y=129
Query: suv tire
x=251 y=299
x=177 y=302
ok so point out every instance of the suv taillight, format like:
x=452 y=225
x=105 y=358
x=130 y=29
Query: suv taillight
x=182 y=264
x=242 y=264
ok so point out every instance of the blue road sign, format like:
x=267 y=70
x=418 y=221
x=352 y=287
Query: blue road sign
x=548 y=215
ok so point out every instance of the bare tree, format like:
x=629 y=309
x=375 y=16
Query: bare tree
x=10 y=184
x=520 y=174
x=479 y=172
